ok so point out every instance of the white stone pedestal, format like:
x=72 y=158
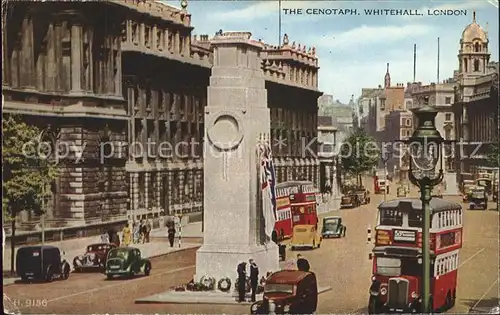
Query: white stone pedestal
x=235 y=117
x=451 y=186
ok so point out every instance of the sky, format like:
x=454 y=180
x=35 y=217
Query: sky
x=353 y=50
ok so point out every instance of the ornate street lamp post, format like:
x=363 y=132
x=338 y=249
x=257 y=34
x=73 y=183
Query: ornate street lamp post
x=425 y=154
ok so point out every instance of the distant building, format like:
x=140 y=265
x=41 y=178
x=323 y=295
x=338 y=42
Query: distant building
x=341 y=114
x=369 y=102
x=441 y=97
x=398 y=126
x=475 y=105
x=327 y=153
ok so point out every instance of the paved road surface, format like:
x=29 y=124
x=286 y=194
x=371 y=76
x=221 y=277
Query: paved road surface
x=340 y=263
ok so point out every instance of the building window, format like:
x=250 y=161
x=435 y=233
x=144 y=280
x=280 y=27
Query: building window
x=447 y=100
x=408 y=122
x=447 y=117
x=382 y=105
x=476 y=47
x=476 y=65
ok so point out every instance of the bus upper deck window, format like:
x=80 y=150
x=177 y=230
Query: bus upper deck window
x=391 y=217
x=414 y=219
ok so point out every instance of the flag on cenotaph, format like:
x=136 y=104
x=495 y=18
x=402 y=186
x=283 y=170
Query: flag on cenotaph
x=268 y=183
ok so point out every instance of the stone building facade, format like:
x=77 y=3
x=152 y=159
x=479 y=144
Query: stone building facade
x=475 y=105
x=441 y=97
x=398 y=126
x=126 y=83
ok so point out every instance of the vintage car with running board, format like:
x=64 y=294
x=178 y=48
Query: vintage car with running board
x=333 y=227
x=350 y=200
x=478 y=199
x=305 y=236
x=94 y=257
x=35 y=263
x=126 y=262
x=288 y=292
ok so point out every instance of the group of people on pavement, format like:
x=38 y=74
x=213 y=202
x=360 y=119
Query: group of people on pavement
x=301 y=264
x=139 y=233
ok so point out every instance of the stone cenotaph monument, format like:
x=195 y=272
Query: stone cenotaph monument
x=235 y=118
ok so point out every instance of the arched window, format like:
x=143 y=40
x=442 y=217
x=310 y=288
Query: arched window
x=476 y=65
x=476 y=47
x=466 y=68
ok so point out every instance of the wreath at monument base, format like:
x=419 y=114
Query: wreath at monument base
x=224 y=284
x=208 y=283
x=194 y=286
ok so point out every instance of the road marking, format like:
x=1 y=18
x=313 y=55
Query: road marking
x=482 y=297
x=477 y=253
x=118 y=284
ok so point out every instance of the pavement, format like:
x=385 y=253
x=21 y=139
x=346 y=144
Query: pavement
x=215 y=297
x=191 y=230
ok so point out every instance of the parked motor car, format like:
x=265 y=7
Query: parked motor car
x=126 y=261
x=333 y=227
x=305 y=236
x=94 y=257
x=41 y=262
x=478 y=199
x=349 y=200
x=288 y=292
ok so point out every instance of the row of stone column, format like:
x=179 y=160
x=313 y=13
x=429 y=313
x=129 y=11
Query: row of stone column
x=181 y=189
x=483 y=125
x=307 y=77
x=155 y=37
x=50 y=68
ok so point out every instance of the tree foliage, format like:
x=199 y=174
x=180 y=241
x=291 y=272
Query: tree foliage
x=493 y=156
x=26 y=169
x=359 y=153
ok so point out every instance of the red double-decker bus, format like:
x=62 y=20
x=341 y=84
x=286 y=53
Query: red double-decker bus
x=302 y=201
x=283 y=228
x=397 y=256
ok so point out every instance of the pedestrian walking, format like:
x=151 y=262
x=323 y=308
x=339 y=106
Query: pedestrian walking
x=171 y=235
x=136 y=233
x=254 y=277
x=142 y=231
x=242 y=277
x=148 y=230
x=127 y=235
x=302 y=263
x=180 y=236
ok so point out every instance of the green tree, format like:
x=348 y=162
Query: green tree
x=493 y=156
x=27 y=171
x=359 y=154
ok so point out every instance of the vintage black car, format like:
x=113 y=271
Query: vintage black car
x=350 y=200
x=41 y=263
x=478 y=199
x=126 y=261
x=288 y=292
x=333 y=227
x=94 y=257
